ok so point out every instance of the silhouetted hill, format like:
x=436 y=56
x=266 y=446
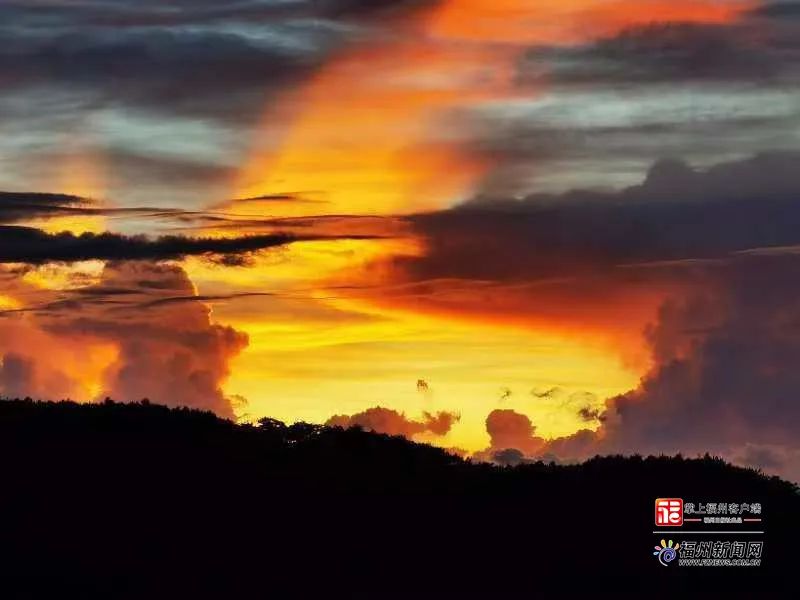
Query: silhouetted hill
x=142 y=501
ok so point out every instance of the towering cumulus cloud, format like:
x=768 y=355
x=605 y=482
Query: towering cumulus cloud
x=176 y=356
x=723 y=248
x=726 y=377
x=168 y=352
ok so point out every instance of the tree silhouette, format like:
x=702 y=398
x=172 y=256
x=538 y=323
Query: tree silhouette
x=142 y=501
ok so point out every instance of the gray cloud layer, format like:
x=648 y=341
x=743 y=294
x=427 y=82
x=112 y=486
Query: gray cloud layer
x=677 y=213
x=600 y=112
x=197 y=75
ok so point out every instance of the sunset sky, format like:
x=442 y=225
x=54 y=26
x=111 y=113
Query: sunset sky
x=561 y=227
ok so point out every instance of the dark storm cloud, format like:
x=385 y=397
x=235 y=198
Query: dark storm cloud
x=730 y=363
x=33 y=246
x=725 y=379
x=677 y=213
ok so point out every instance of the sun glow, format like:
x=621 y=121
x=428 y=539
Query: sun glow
x=380 y=131
x=8 y=303
x=315 y=368
x=79 y=170
x=365 y=133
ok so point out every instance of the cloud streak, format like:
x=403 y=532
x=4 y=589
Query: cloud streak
x=33 y=246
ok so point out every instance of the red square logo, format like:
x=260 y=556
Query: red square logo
x=669 y=512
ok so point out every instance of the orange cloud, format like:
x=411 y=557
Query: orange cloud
x=569 y=21
x=368 y=134
x=508 y=429
x=385 y=420
x=40 y=363
x=115 y=338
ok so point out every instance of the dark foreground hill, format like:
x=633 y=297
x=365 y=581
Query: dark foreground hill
x=140 y=501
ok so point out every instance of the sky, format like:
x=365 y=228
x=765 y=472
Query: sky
x=515 y=229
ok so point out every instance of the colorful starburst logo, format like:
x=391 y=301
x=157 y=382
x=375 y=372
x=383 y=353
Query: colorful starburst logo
x=666 y=552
